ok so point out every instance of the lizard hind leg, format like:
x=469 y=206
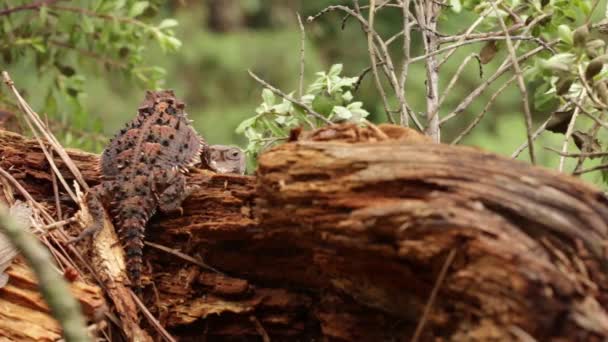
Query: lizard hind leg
x=94 y=201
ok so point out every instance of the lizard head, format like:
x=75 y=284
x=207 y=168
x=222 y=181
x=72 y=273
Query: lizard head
x=226 y=159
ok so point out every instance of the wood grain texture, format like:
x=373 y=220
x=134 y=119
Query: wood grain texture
x=343 y=233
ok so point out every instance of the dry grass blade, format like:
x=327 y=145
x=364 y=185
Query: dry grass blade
x=49 y=158
x=163 y=333
x=44 y=130
x=182 y=256
x=480 y=116
x=436 y=287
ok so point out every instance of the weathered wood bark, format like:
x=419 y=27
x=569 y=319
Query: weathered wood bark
x=24 y=315
x=345 y=233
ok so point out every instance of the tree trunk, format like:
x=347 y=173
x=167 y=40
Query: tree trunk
x=368 y=235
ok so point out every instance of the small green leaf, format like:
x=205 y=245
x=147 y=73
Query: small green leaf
x=247 y=123
x=268 y=97
x=174 y=43
x=335 y=70
x=456 y=6
x=87 y=24
x=347 y=97
x=43 y=13
x=342 y=113
x=138 y=8
x=565 y=34
x=167 y=23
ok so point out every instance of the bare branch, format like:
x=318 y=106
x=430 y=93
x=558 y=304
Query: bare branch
x=289 y=98
x=406 y=52
x=520 y=83
x=483 y=112
x=302 y=55
x=29 y=7
x=427 y=12
x=372 y=56
x=482 y=87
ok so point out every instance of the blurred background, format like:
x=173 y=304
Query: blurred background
x=222 y=39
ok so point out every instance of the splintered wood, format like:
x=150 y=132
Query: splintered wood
x=24 y=315
x=369 y=234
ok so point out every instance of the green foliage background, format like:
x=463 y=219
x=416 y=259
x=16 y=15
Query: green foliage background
x=209 y=71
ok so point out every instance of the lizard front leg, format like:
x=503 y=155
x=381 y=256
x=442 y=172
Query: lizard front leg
x=94 y=200
x=174 y=192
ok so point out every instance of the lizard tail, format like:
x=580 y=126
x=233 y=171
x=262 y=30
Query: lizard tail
x=132 y=235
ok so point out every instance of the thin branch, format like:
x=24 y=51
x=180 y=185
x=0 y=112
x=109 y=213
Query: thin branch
x=431 y=300
x=576 y=155
x=183 y=256
x=478 y=40
x=483 y=112
x=456 y=76
x=381 y=52
x=568 y=134
x=93 y=14
x=302 y=56
x=50 y=160
x=372 y=56
x=406 y=53
x=482 y=87
x=29 y=7
x=591 y=169
x=289 y=98
x=163 y=332
x=589 y=115
x=520 y=83
x=536 y=134
x=260 y=328
x=90 y=54
x=466 y=35
x=427 y=12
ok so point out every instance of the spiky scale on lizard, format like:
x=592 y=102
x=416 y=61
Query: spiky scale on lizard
x=142 y=171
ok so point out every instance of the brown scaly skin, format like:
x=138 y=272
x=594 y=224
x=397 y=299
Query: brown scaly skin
x=142 y=168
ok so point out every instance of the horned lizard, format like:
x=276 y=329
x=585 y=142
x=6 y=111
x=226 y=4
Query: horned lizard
x=142 y=169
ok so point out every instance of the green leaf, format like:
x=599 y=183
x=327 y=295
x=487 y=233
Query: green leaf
x=174 y=43
x=274 y=128
x=456 y=6
x=247 y=123
x=43 y=13
x=268 y=97
x=342 y=113
x=357 y=111
x=167 y=23
x=565 y=34
x=87 y=24
x=138 y=8
x=335 y=70
x=324 y=104
x=347 y=97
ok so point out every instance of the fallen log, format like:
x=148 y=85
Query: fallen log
x=367 y=234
